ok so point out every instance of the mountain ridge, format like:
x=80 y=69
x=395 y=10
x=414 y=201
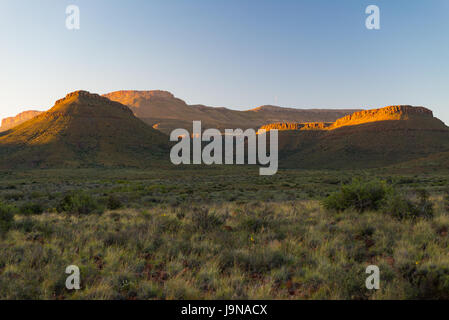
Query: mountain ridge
x=389 y=113
x=163 y=110
x=372 y=138
x=82 y=130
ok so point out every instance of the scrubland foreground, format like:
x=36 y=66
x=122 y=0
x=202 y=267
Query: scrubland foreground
x=223 y=234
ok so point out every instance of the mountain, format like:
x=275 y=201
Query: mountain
x=371 y=138
x=83 y=130
x=165 y=112
x=11 y=122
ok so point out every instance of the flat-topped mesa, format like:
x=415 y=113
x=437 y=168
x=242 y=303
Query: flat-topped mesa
x=400 y=112
x=133 y=94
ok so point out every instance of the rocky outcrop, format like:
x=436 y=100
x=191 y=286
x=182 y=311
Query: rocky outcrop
x=11 y=122
x=400 y=112
x=285 y=126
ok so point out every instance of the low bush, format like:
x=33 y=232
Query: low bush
x=79 y=203
x=260 y=260
x=431 y=282
x=446 y=199
x=6 y=218
x=203 y=220
x=378 y=196
x=400 y=207
x=30 y=208
x=113 y=203
x=359 y=195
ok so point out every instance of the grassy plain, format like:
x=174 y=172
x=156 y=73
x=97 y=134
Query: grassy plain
x=216 y=233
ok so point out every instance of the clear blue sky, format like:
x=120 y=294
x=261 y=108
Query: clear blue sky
x=234 y=53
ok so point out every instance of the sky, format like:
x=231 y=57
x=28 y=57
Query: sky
x=238 y=54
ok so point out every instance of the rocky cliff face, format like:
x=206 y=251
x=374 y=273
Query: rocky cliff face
x=11 y=122
x=284 y=126
x=400 y=112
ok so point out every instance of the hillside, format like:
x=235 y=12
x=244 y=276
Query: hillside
x=371 y=138
x=82 y=130
x=423 y=115
x=165 y=112
x=12 y=122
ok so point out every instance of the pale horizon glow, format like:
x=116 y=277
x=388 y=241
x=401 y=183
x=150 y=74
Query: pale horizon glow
x=238 y=54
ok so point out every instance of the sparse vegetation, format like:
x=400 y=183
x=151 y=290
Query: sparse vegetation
x=446 y=199
x=6 y=218
x=31 y=208
x=183 y=238
x=114 y=203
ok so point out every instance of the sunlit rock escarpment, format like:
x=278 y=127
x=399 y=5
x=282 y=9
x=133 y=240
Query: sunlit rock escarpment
x=12 y=122
x=390 y=113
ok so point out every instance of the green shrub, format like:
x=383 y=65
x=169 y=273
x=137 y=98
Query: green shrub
x=31 y=208
x=6 y=218
x=79 y=203
x=424 y=206
x=260 y=260
x=203 y=220
x=400 y=207
x=13 y=196
x=431 y=282
x=359 y=195
x=446 y=199
x=113 y=203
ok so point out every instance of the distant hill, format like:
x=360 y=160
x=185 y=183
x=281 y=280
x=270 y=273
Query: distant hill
x=12 y=122
x=83 y=130
x=166 y=112
x=371 y=138
x=88 y=130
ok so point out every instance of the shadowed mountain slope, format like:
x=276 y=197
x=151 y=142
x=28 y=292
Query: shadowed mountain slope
x=371 y=138
x=166 y=112
x=83 y=130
